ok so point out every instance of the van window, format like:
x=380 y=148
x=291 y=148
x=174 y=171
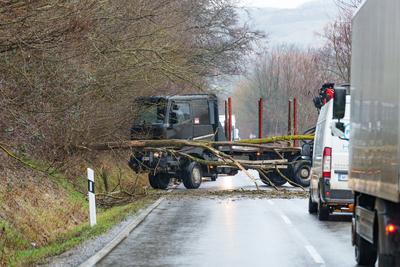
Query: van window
x=183 y=112
x=318 y=144
x=200 y=112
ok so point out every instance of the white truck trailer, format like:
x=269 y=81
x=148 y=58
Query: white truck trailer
x=374 y=171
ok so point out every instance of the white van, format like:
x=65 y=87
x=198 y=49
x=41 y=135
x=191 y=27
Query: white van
x=329 y=172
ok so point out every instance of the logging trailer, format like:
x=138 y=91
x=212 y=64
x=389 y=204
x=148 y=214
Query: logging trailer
x=208 y=151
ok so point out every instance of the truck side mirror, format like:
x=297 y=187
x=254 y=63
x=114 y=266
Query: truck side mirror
x=339 y=103
x=306 y=150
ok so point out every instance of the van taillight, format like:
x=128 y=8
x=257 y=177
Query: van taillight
x=327 y=162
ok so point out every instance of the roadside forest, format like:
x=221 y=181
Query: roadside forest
x=69 y=72
x=282 y=72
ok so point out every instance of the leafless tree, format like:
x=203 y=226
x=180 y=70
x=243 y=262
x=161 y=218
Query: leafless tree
x=280 y=74
x=337 y=50
x=70 y=70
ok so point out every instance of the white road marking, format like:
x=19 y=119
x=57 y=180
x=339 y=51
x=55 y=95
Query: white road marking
x=270 y=202
x=300 y=237
x=286 y=219
x=315 y=255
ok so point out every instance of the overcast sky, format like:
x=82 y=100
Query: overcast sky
x=274 y=3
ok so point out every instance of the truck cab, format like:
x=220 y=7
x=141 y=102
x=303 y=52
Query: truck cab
x=329 y=190
x=190 y=117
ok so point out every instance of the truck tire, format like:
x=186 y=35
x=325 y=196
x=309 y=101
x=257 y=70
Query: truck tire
x=365 y=252
x=159 y=181
x=312 y=206
x=214 y=177
x=275 y=178
x=301 y=173
x=163 y=180
x=323 y=212
x=192 y=176
x=153 y=181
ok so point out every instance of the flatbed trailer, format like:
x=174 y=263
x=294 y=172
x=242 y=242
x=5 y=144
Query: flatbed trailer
x=276 y=165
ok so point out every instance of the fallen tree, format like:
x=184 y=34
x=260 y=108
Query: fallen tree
x=177 y=143
x=221 y=151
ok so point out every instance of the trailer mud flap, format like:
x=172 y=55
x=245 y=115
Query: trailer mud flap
x=365 y=223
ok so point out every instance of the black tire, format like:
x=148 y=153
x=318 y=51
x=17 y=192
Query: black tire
x=192 y=176
x=365 y=252
x=323 y=212
x=163 y=181
x=159 y=181
x=153 y=181
x=275 y=178
x=301 y=173
x=312 y=206
x=214 y=177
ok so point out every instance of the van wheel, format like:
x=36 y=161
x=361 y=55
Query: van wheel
x=323 y=212
x=365 y=252
x=275 y=178
x=192 y=176
x=312 y=206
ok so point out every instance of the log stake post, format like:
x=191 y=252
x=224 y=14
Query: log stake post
x=229 y=119
x=226 y=120
x=260 y=118
x=290 y=118
x=266 y=122
x=295 y=120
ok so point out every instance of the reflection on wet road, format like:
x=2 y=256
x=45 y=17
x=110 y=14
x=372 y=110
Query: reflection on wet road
x=235 y=232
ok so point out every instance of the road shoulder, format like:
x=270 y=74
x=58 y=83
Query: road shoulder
x=92 y=249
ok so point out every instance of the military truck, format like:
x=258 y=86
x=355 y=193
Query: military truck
x=195 y=117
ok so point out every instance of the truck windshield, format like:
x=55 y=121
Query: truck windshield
x=151 y=112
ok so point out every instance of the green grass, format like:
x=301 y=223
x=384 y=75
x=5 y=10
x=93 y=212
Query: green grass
x=105 y=220
x=60 y=179
x=16 y=248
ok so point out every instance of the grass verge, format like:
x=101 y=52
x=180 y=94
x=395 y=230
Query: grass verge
x=105 y=220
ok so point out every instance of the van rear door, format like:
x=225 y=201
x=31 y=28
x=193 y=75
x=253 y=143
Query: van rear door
x=340 y=154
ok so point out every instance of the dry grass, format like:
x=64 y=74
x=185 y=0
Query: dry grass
x=36 y=209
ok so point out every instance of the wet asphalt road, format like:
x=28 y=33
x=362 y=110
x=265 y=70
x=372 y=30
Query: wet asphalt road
x=235 y=232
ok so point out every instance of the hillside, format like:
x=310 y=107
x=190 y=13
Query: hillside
x=298 y=26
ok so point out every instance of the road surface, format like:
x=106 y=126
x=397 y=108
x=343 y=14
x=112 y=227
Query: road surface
x=235 y=232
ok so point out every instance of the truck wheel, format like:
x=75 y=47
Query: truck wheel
x=159 y=181
x=153 y=181
x=323 y=212
x=192 y=177
x=275 y=178
x=163 y=181
x=301 y=173
x=312 y=206
x=214 y=177
x=365 y=252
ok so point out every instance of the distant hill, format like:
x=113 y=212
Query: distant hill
x=298 y=26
